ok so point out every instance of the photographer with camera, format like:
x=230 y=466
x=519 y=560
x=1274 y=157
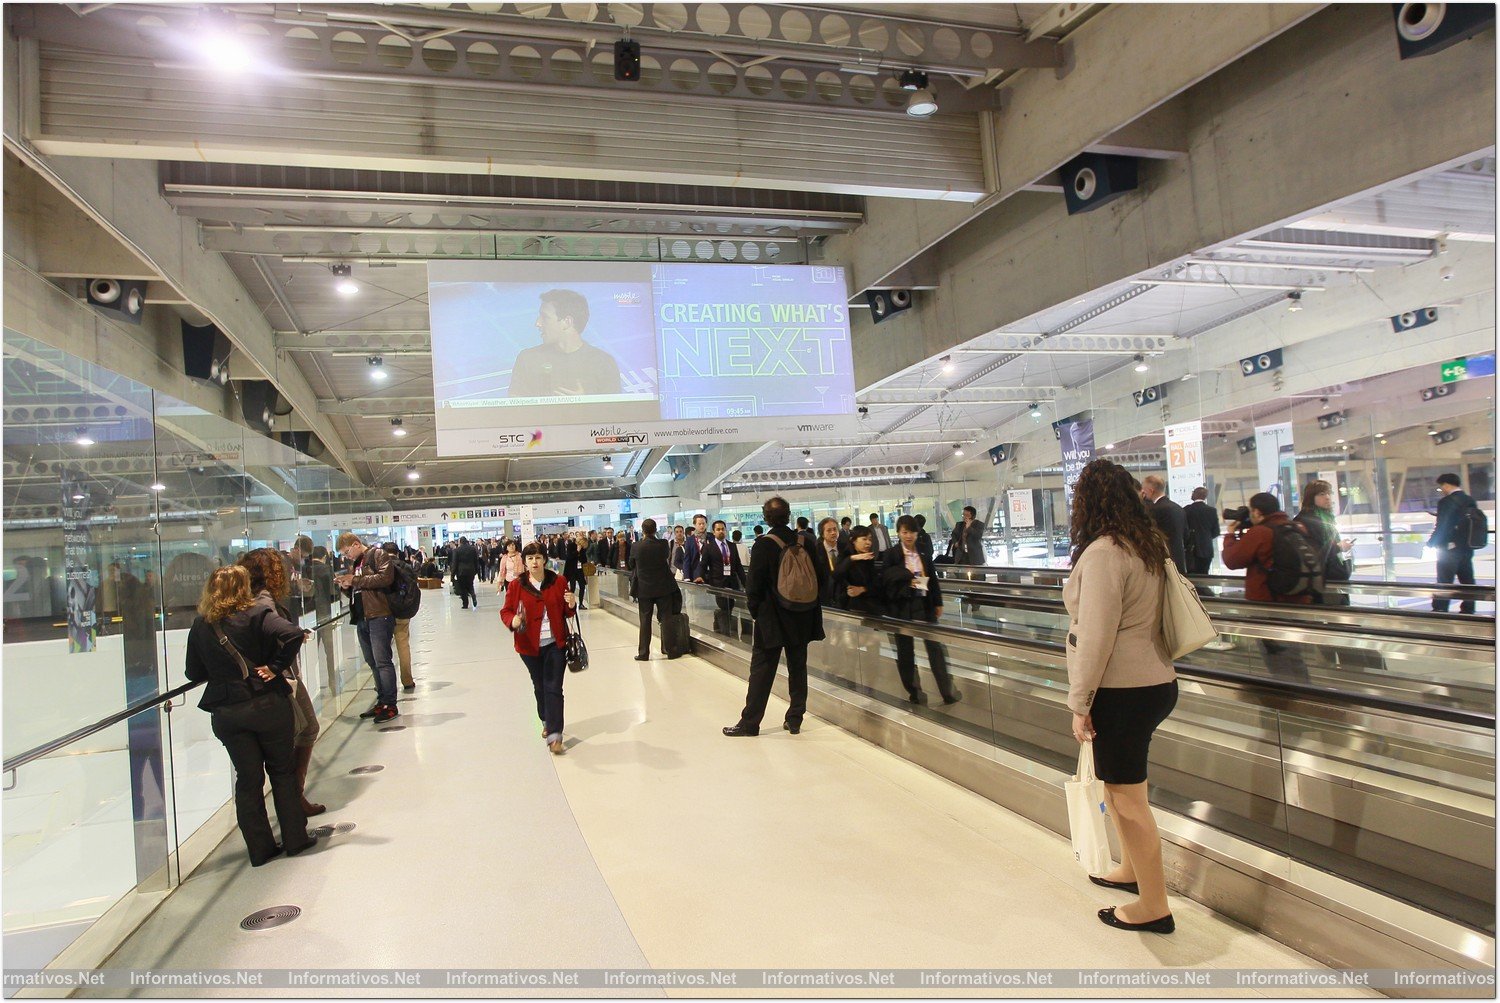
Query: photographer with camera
x=1275 y=553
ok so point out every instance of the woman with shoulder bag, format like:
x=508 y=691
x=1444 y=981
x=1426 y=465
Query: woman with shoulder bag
x=1121 y=683
x=241 y=648
x=536 y=611
x=269 y=586
x=1317 y=518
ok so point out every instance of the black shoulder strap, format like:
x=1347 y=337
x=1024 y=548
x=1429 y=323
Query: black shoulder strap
x=229 y=646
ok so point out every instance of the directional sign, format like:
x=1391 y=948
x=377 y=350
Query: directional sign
x=1469 y=368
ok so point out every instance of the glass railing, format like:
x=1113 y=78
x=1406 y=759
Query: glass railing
x=1394 y=794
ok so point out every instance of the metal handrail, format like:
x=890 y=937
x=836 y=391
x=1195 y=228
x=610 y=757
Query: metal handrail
x=1478 y=593
x=929 y=631
x=42 y=751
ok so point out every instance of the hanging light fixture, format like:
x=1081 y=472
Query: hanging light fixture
x=377 y=368
x=958 y=450
x=397 y=428
x=609 y=463
x=343 y=279
x=807 y=456
x=947 y=361
x=411 y=472
x=83 y=438
x=1140 y=363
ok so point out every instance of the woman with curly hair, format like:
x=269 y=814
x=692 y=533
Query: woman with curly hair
x=1121 y=684
x=270 y=586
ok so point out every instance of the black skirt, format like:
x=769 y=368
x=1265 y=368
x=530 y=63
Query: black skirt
x=1124 y=719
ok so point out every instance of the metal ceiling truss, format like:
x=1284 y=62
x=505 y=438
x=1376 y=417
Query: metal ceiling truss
x=356 y=343
x=378 y=407
x=485 y=491
x=1075 y=344
x=981 y=395
x=811 y=477
x=365 y=245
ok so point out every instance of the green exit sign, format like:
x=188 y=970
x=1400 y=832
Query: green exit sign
x=1455 y=370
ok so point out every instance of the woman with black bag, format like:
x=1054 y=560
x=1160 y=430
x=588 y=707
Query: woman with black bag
x=536 y=611
x=1316 y=517
x=241 y=649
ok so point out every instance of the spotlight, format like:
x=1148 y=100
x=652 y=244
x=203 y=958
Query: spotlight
x=913 y=80
x=83 y=438
x=225 y=52
x=1294 y=299
x=343 y=279
x=411 y=473
x=958 y=450
x=158 y=486
x=1338 y=442
x=1109 y=445
x=921 y=104
x=79 y=497
x=377 y=368
x=947 y=361
x=807 y=456
x=397 y=429
x=609 y=463
x=1036 y=412
x=1431 y=430
x=1140 y=363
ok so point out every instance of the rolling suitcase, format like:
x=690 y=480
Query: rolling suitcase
x=676 y=637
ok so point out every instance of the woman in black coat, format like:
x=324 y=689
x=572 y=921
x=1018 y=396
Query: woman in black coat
x=573 y=557
x=858 y=576
x=251 y=706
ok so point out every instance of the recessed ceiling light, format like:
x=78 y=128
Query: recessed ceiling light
x=83 y=438
x=158 y=486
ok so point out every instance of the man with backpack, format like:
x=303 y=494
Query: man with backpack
x=373 y=573
x=782 y=592
x=401 y=636
x=1281 y=566
x=1461 y=529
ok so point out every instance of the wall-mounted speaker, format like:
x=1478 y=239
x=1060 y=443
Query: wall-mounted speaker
x=1425 y=28
x=999 y=454
x=258 y=403
x=205 y=353
x=1433 y=393
x=1245 y=445
x=1412 y=319
x=1262 y=363
x=1332 y=419
x=885 y=303
x=306 y=443
x=1091 y=180
x=121 y=299
x=1150 y=395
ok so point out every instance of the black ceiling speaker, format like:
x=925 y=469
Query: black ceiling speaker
x=205 y=353
x=1425 y=28
x=999 y=454
x=122 y=299
x=1262 y=363
x=1413 y=319
x=1433 y=393
x=886 y=302
x=1091 y=180
x=627 y=59
x=306 y=443
x=1150 y=395
x=258 y=402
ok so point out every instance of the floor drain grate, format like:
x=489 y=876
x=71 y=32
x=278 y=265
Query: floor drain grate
x=277 y=915
x=394 y=727
x=360 y=771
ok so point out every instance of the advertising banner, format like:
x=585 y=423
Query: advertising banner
x=81 y=583
x=1020 y=509
x=528 y=524
x=1184 y=460
x=1077 y=440
x=1276 y=462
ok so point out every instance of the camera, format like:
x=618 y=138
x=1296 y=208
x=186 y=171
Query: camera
x=1240 y=515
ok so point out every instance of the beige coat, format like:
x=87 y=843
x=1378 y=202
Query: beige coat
x=1114 y=626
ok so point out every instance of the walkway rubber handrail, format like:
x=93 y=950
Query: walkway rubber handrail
x=922 y=629
x=41 y=751
x=1478 y=593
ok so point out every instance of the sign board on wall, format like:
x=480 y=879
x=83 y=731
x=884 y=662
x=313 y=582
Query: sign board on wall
x=1276 y=462
x=1077 y=440
x=1020 y=509
x=1184 y=460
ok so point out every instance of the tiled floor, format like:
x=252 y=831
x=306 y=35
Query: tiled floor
x=654 y=841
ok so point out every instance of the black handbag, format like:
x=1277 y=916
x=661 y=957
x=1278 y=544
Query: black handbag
x=576 y=653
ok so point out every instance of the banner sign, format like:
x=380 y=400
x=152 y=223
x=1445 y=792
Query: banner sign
x=1077 y=439
x=1184 y=460
x=527 y=517
x=1020 y=509
x=81 y=583
x=1276 y=462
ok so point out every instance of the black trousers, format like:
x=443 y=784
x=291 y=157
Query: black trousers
x=576 y=584
x=663 y=605
x=763 y=662
x=1199 y=565
x=1457 y=563
x=906 y=654
x=257 y=734
x=465 y=583
x=547 y=670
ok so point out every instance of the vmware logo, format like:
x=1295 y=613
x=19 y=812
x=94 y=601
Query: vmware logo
x=815 y=428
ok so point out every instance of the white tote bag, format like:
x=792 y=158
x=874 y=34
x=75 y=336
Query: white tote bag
x=1185 y=625
x=1086 y=814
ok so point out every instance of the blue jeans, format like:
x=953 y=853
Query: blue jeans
x=375 y=641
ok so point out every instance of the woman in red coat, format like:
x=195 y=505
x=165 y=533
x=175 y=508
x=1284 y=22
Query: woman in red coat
x=537 y=606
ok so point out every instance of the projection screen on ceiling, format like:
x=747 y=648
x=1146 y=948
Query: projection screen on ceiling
x=566 y=355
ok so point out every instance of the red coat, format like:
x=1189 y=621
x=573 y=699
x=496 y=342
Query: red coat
x=1251 y=549
x=524 y=594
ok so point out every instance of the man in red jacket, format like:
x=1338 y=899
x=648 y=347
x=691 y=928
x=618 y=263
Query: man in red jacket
x=1251 y=548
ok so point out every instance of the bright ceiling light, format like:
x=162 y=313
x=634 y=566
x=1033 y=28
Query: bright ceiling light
x=79 y=497
x=958 y=450
x=397 y=429
x=609 y=463
x=1036 y=410
x=807 y=456
x=343 y=279
x=411 y=473
x=226 y=53
x=1294 y=303
x=1109 y=445
x=377 y=368
x=1140 y=363
x=921 y=104
x=158 y=486
x=947 y=361
x=83 y=438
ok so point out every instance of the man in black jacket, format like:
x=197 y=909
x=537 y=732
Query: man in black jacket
x=1455 y=558
x=967 y=543
x=777 y=627
x=1169 y=518
x=912 y=593
x=719 y=566
x=464 y=563
x=1202 y=531
x=654 y=584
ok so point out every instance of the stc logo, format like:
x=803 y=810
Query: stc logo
x=511 y=438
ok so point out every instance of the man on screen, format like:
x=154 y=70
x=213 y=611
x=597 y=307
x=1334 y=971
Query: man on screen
x=564 y=365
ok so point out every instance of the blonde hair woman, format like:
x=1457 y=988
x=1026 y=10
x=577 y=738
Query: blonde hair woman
x=240 y=648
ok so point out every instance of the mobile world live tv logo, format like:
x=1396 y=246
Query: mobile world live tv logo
x=616 y=436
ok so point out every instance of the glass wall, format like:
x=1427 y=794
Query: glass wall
x=119 y=502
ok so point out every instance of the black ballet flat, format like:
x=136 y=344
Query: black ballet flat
x=1164 y=925
x=1124 y=886
x=741 y=731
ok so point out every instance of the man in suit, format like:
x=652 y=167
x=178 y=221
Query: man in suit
x=1169 y=518
x=879 y=534
x=777 y=627
x=924 y=540
x=912 y=593
x=1202 y=531
x=967 y=544
x=622 y=548
x=720 y=567
x=693 y=547
x=654 y=584
x=831 y=550
x=677 y=553
x=465 y=565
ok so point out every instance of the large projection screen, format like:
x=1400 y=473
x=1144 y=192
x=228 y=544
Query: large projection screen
x=571 y=355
